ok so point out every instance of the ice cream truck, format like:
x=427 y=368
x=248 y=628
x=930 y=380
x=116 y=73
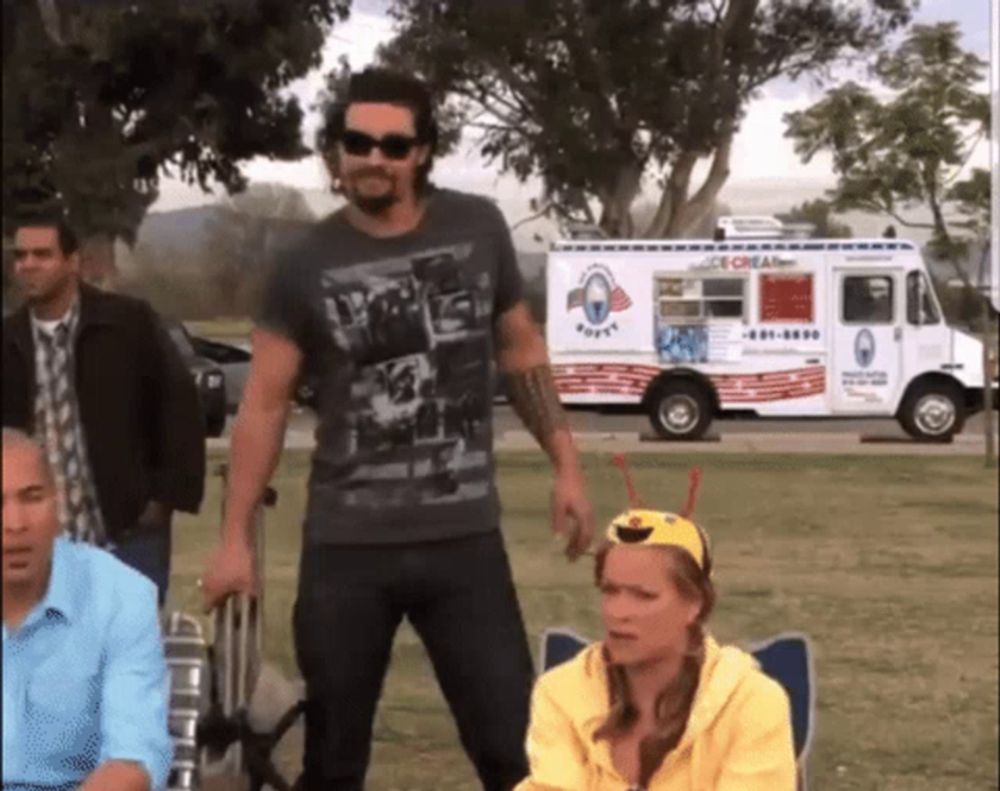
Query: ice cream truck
x=688 y=330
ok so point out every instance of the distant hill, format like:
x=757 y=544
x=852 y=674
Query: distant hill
x=181 y=229
x=185 y=231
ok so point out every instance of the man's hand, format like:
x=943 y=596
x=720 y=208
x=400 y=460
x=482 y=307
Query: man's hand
x=117 y=776
x=254 y=449
x=230 y=570
x=572 y=515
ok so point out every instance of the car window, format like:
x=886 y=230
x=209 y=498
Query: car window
x=180 y=339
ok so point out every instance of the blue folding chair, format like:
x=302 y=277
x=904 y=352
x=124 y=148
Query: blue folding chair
x=786 y=658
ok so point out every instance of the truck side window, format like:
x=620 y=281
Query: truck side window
x=696 y=298
x=920 y=307
x=868 y=299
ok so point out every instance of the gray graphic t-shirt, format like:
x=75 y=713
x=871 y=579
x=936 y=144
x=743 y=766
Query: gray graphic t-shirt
x=399 y=335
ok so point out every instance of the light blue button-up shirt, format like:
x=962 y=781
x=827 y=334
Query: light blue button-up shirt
x=84 y=677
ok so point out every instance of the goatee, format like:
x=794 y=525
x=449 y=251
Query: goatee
x=375 y=205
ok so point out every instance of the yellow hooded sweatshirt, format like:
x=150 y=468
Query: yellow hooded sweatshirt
x=738 y=736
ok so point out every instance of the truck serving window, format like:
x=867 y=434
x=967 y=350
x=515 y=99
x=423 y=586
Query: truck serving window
x=694 y=298
x=920 y=307
x=868 y=299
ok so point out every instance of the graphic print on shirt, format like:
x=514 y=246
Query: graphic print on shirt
x=417 y=329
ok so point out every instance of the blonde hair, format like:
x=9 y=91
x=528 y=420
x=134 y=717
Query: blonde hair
x=673 y=704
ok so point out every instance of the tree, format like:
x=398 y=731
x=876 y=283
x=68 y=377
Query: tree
x=601 y=100
x=818 y=214
x=911 y=149
x=102 y=99
x=243 y=237
x=644 y=216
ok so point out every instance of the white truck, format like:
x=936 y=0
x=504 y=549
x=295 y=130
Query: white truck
x=785 y=328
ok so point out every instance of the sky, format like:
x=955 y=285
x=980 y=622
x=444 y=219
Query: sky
x=766 y=174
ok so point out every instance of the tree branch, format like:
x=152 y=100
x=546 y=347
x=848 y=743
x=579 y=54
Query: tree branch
x=661 y=217
x=677 y=185
x=592 y=54
x=487 y=127
x=965 y=161
x=544 y=211
x=875 y=206
x=739 y=12
x=719 y=171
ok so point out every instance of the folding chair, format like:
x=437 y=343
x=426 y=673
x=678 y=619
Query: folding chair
x=216 y=713
x=786 y=658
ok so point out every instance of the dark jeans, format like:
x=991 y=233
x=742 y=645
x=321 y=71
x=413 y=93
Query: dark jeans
x=460 y=598
x=147 y=551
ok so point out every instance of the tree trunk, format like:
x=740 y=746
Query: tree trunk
x=97 y=261
x=616 y=211
x=689 y=213
x=674 y=195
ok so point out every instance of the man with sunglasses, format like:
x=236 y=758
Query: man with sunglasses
x=403 y=512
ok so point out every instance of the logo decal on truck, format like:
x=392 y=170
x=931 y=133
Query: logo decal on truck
x=599 y=295
x=864 y=348
x=742 y=263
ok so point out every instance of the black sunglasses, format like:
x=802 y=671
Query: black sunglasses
x=360 y=144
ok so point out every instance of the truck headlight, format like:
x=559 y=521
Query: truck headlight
x=214 y=380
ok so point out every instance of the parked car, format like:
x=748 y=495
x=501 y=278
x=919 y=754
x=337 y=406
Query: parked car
x=234 y=360
x=208 y=376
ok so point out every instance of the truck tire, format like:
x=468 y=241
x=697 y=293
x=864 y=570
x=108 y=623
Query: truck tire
x=933 y=412
x=680 y=409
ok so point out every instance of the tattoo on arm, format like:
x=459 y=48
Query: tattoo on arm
x=533 y=395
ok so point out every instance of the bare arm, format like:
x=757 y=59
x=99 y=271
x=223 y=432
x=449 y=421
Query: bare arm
x=117 y=776
x=258 y=432
x=524 y=360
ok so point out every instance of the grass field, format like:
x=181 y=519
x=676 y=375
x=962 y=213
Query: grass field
x=889 y=564
x=233 y=329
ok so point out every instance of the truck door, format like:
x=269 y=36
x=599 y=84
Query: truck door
x=867 y=340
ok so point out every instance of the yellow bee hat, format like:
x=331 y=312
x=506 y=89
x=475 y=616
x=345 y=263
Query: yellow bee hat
x=647 y=527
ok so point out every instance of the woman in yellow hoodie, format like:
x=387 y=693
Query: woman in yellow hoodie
x=658 y=705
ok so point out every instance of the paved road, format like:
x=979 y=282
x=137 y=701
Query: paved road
x=602 y=432
x=590 y=421
x=596 y=423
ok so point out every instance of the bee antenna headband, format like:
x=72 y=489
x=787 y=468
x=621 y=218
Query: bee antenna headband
x=634 y=500
x=694 y=483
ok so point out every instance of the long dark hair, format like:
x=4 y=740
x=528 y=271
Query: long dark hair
x=673 y=704
x=384 y=86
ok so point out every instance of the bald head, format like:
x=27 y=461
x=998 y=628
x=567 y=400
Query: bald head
x=30 y=516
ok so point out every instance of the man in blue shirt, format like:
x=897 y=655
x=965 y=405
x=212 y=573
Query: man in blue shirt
x=85 y=683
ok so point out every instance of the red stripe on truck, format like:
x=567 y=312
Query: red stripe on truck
x=626 y=379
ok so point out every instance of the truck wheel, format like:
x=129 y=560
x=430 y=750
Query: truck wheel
x=933 y=411
x=680 y=409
